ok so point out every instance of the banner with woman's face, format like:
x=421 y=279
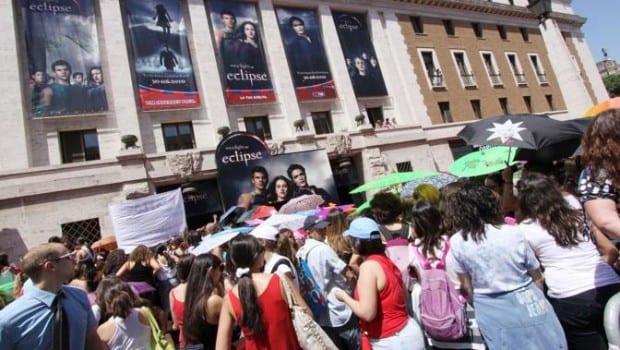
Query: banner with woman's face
x=305 y=52
x=238 y=39
x=64 y=67
x=359 y=53
x=161 y=55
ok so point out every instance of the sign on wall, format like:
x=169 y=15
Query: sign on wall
x=65 y=74
x=305 y=52
x=161 y=56
x=359 y=53
x=238 y=38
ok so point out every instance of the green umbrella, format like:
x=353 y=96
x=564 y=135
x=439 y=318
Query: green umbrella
x=483 y=162
x=362 y=207
x=392 y=179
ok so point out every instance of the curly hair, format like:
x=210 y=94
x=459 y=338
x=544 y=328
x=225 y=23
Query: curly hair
x=447 y=192
x=473 y=206
x=601 y=144
x=385 y=207
x=540 y=199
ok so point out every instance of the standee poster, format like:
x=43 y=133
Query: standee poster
x=238 y=39
x=161 y=56
x=64 y=67
x=305 y=53
x=359 y=53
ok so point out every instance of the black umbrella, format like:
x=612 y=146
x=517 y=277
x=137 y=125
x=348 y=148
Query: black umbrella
x=560 y=150
x=527 y=131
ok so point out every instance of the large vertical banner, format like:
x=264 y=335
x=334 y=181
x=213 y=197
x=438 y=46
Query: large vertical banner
x=359 y=54
x=238 y=39
x=65 y=74
x=305 y=53
x=161 y=56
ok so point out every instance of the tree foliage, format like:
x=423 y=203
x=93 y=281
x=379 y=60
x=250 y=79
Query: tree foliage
x=612 y=84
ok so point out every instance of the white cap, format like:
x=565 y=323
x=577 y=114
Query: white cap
x=267 y=232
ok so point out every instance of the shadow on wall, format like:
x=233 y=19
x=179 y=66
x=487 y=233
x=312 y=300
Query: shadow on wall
x=12 y=244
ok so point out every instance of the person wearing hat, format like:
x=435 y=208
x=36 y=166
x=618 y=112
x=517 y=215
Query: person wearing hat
x=269 y=236
x=379 y=298
x=328 y=270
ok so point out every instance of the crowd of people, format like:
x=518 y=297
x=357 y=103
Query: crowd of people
x=537 y=267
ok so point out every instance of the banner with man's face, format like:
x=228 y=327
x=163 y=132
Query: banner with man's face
x=238 y=39
x=64 y=67
x=359 y=53
x=161 y=56
x=305 y=52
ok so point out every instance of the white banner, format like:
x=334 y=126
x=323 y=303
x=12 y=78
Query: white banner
x=150 y=220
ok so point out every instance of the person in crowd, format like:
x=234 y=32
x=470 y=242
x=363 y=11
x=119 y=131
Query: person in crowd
x=86 y=278
x=257 y=303
x=500 y=274
x=28 y=322
x=427 y=192
x=166 y=276
x=7 y=274
x=274 y=263
x=600 y=179
x=379 y=298
x=446 y=194
x=279 y=192
x=247 y=47
x=83 y=252
x=579 y=282
x=177 y=296
x=297 y=174
x=329 y=272
x=386 y=209
x=203 y=301
x=113 y=262
x=128 y=325
x=336 y=225
x=141 y=266
x=286 y=245
x=259 y=195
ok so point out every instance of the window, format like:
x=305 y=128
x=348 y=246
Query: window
x=444 y=109
x=515 y=66
x=528 y=103
x=491 y=67
x=449 y=26
x=79 y=146
x=431 y=65
x=475 y=106
x=503 y=103
x=375 y=115
x=88 y=229
x=178 y=136
x=525 y=34
x=502 y=32
x=550 y=102
x=322 y=122
x=511 y=2
x=258 y=126
x=404 y=167
x=538 y=69
x=477 y=29
x=418 y=26
x=464 y=68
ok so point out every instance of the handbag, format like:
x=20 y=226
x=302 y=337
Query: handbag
x=309 y=334
x=158 y=338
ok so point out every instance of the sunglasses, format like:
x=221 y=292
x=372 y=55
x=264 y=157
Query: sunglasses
x=68 y=256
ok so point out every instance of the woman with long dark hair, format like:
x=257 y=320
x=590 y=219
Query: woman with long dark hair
x=279 y=191
x=247 y=47
x=177 y=296
x=257 y=303
x=203 y=302
x=579 y=281
x=500 y=273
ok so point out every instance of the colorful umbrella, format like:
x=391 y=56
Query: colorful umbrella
x=612 y=103
x=483 y=162
x=392 y=179
x=106 y=243
x=530 y=131
x=301 y=203
x=291 y=221
x=215 y=240
x=363 y=207
x=439 y=181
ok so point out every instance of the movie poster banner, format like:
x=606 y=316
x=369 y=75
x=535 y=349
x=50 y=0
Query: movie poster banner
x=305 y=52
x=240 y=155
x=359 y=53
x=238 y=39
x=161 y=55
x=65 y=75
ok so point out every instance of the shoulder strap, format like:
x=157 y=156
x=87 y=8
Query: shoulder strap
x=305 y=255
x=282 y=261
x=444 y=254
x=151 y=319
x=425 y=264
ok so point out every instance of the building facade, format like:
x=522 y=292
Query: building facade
x=444 y=63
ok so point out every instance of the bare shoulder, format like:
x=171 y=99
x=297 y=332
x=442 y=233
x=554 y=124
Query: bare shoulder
x=106 y=330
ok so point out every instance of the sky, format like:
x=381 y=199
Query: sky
x=600 y=29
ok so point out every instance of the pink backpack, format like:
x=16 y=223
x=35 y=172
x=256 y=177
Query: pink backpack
x=441 y=311
x=397 y=250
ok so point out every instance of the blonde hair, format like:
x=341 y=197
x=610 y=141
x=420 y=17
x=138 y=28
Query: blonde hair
x=37 y=256
x=337 y=225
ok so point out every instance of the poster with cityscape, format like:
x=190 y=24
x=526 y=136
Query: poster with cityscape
x=359 y=53
x=64 y=68
x=301 y=33
x=161 y=55
x=237 y=32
